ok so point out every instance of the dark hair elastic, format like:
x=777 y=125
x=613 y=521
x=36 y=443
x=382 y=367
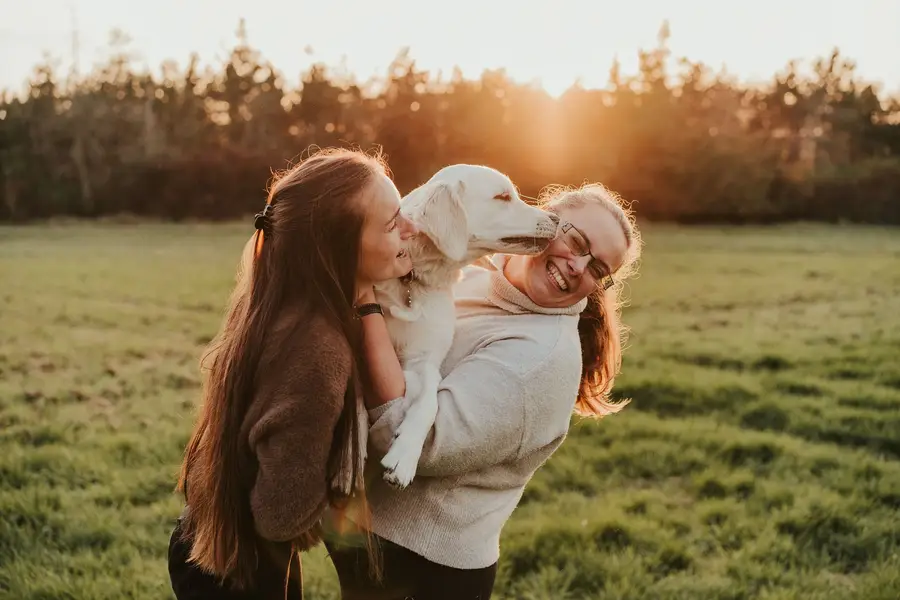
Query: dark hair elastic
x=261 y=219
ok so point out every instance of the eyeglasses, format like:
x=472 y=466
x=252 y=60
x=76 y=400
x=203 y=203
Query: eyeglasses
x=579 y=245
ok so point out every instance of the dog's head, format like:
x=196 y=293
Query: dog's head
x=469 y=211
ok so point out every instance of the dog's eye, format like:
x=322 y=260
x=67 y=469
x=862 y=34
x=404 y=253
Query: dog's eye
x=503 y=196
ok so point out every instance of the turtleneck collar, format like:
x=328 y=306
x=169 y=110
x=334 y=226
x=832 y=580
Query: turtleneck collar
x=505 y=295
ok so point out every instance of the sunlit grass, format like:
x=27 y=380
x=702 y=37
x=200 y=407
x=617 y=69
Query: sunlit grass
x=760 y=457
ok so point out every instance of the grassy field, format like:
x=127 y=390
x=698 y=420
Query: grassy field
x=760 y=457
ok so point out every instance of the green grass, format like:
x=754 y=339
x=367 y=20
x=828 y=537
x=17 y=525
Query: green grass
x=760 y=457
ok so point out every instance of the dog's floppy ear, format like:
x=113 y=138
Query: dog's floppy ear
x=443 y=219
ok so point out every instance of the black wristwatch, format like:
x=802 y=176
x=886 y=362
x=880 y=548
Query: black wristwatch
x=368 y=309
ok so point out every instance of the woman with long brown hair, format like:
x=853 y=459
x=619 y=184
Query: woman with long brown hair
x=277 y=441
x=536 y=338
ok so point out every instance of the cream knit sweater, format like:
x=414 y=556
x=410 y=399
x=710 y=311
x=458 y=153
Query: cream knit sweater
x=510 y=383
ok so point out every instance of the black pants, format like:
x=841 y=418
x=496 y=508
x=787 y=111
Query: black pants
x=190 y=583
x=406 y=575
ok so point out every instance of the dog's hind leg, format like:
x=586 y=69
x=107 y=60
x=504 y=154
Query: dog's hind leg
x=402 y=459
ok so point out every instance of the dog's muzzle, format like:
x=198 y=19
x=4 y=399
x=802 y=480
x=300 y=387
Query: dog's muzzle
x=530 y=244
x=548 y=230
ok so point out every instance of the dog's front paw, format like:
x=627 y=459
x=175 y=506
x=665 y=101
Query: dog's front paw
x=401 y=476
x=400 y=463
x=393 y=482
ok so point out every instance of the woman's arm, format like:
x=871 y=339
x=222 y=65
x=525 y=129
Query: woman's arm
x=491 y=408
x=293 y=433
x=386 y=380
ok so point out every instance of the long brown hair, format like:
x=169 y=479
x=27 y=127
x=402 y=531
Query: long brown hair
x=600 y=328
x=303 y=261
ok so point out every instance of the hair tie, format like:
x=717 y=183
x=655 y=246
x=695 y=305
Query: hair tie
x=261 y=219
x=263 y=227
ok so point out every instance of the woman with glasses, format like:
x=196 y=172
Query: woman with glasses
x=537 y=337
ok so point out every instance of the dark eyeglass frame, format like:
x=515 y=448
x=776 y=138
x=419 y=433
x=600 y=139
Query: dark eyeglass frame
x=596 y=267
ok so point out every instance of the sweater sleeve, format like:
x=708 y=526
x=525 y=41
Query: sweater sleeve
x=292 y=440
x=482 y=411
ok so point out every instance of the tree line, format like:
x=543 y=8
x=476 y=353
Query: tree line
x=685 y=142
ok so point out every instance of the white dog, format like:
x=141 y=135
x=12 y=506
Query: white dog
x=464 y=213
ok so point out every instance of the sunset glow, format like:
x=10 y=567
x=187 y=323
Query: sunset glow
x=553 y=42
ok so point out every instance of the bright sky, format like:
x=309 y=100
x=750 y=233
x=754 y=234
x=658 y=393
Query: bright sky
x=554 y=41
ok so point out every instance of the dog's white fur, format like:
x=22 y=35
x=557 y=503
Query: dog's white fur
x=464 y=212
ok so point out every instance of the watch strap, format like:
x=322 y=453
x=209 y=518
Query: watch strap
x=370 y=308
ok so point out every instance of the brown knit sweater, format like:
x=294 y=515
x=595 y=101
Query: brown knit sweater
x=290 y=427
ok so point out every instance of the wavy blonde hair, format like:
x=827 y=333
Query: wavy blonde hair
x=600 y=327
